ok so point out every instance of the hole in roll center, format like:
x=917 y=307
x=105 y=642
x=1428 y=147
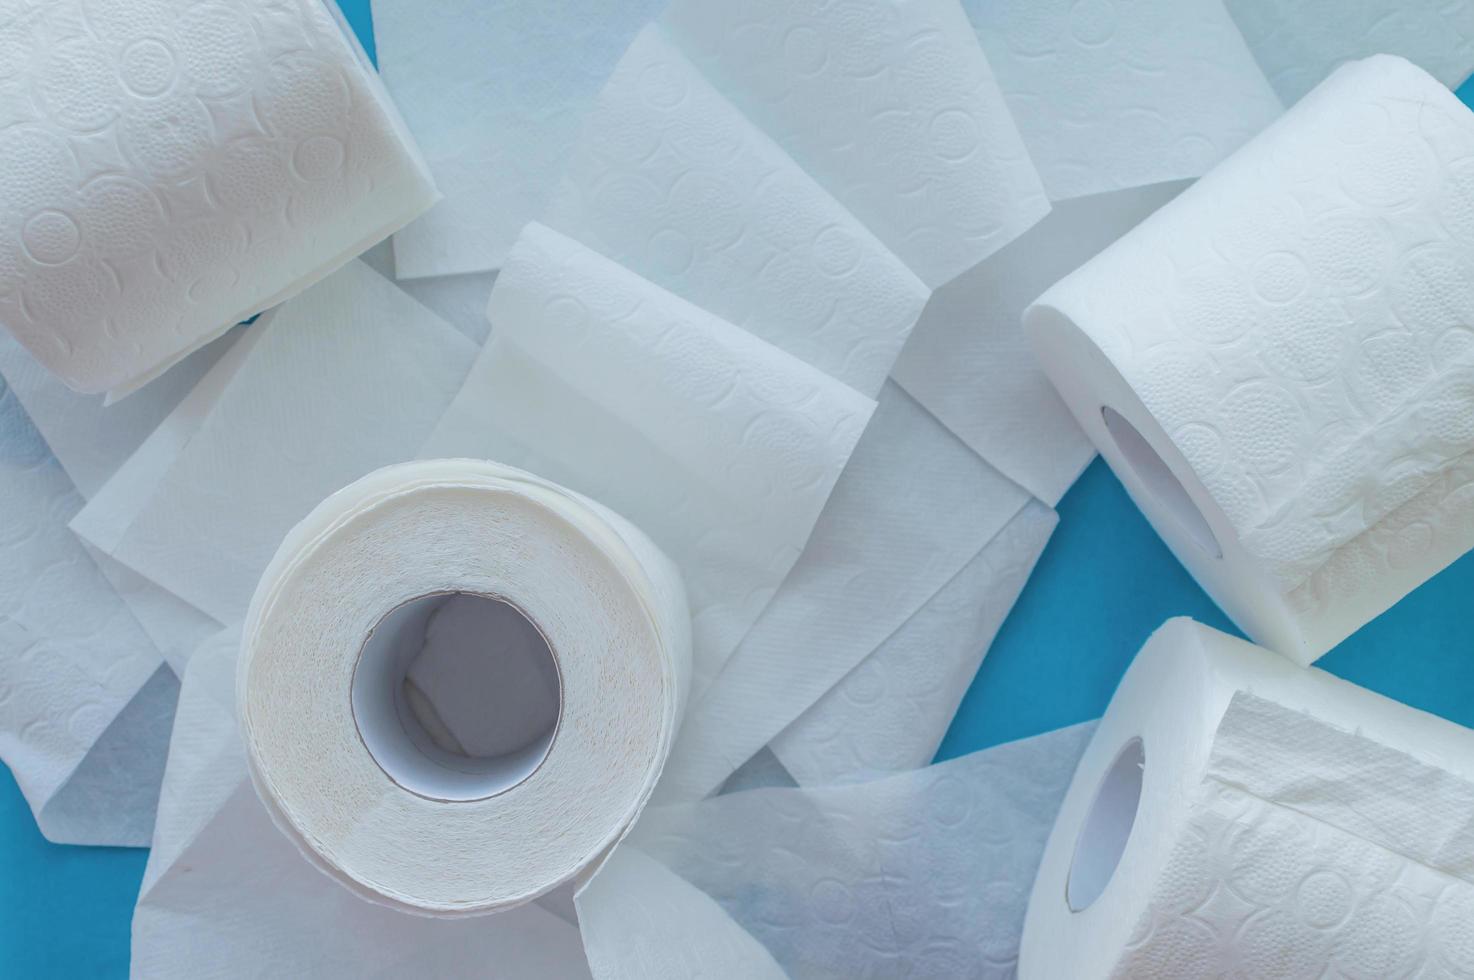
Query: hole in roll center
x=457 y=695
x=1107 y=827
x=1160 y=481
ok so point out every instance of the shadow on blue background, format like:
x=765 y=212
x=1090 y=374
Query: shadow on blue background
x=1104 y=583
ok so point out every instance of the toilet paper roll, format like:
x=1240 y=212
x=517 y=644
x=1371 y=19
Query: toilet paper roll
x=175 y=167
x=1235 y=815
x=373 y=788
x=1279 y=364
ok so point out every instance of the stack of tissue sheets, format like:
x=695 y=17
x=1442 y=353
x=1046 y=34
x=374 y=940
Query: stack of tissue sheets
x=759 y=266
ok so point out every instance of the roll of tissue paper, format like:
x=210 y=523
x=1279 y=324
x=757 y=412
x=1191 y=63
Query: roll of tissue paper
x=174 y=167
x=1235 y=815
x=1279 y=364
x=456 y=650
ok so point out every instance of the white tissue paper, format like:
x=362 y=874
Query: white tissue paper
x=173 y=168
x=910 y=510
x=920 y=874
x=670 y=180
x=1111 y=96
x=1279 y=364
x=889 y=714
x=969 y=363
x=350 y=376
x=890 y=106
x=226 y=893
x=1236 y=815
x=1298 y=44
x=378 y=797
x=85 y=700
x=718 y=445
x=495 y=92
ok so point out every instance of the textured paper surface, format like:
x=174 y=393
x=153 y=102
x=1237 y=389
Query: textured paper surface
x=1292 y=334
x=719 y=446
x=889 y=714
x=891 y=107
x=640 y=919
x=1298 y=44
x=85 y=700
x=670 y=180
x=969 y=363
x=173 y=168
x=923 y=873
x=911 y=509
x=495 y=92
x=1112 y=96
x=372 y=804
x=1290 y=825
x=350 y=376
x=226 y=893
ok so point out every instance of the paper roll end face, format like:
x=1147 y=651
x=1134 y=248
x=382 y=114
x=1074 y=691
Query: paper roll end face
x=388 y=789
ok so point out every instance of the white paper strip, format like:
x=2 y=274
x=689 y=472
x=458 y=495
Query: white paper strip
x=225 y=893
x=719 y=446
x=968 y=361
x=175 y=167
x=1119 y=95
x=642 y=921
x=889 y=714
x=670 y=180
x=85 y=701
x=1300 y=43
x=890 y=106
x=921 y=874
x=495 y=92
x=350 y=376
x=913 y=506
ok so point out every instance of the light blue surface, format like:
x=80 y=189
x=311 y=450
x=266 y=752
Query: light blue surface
x=1104 y=583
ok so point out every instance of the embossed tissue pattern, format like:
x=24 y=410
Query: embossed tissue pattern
x=672 y=181
x=1310 y=346
x=1281 y=897
x=173 y=167
x=1114 y=95
x=73 y=656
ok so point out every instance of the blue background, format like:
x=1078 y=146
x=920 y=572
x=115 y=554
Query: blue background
x=1103 y=584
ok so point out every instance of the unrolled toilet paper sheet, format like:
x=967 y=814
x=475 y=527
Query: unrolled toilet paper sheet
x=1114 y=96
x=913 y=507
x=1298 y=44
x=924 y=872
x=718 y=445
x=117 y=261
x=201 y=507
x=672 y=181
x=91 y=441
x=891 y=107
x=86 y=701
x=495 y=93
x=889 y=713
x=969 y=363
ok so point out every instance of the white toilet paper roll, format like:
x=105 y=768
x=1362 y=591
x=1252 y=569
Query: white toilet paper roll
x=1279 y=364
x=379 y=792
x=173 y=167
x=1235 y=815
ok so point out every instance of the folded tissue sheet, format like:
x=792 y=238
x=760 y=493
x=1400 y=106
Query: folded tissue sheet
x=1279 y=363
x=172 y=168
x=1236 y=815
x=449 y=651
